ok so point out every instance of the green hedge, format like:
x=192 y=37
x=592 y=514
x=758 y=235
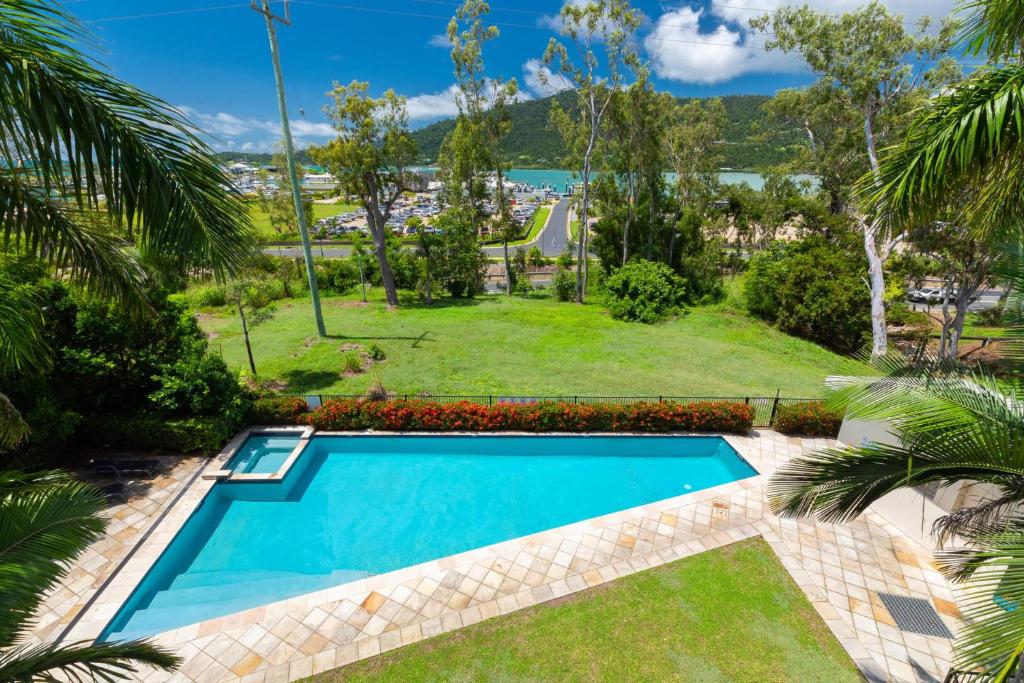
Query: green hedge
x=808 y=419
x=166 y=435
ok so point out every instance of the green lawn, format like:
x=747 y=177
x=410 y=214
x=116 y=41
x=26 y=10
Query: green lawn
x=266 y=233
x=537 y=346
x=731 y=614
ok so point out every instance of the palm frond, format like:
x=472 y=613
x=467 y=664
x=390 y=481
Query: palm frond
x=837 y=484
x=995 y=27
x=21 y=327
x=45 y=521
x=12 y=426
x=76 y=132
x=73 y=240
x=993 y=601
x=976 y=521
x=970 y=133
x=83 y=661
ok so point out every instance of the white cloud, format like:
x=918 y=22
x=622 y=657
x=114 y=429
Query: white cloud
x=443 y=104
x=681 y=51
x=304 y=128
x=724 y=48
x=742 y=11
x=541 y=80
x=433 y=105
x=439 y=40
x=227 y=129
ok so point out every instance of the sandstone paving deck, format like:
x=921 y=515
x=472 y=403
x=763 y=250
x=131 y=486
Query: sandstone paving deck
x=841 y=569
x=126 y=524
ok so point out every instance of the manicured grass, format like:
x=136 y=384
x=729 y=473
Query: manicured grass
x=731 y=614
x=539 y=218
x=266 y=233
x=537 y=346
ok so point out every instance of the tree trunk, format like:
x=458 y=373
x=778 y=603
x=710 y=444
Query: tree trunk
x=631 y=185
x=508 y=268
x=879 y=335
x=876 y=278
x=245 y=335
x=377 y=228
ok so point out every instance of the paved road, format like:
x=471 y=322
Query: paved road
x=552 y=239
x=987 y=299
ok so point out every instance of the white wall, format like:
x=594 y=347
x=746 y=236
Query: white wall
x=907 y=509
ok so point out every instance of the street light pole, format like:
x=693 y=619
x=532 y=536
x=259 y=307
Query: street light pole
x=263 y=7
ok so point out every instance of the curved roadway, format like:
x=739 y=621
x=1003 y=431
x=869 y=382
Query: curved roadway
x=552 y=239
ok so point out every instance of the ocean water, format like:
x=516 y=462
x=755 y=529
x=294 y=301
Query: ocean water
x=562 y=179
x=356 y=506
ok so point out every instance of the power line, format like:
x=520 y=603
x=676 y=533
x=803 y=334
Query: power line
x=166 y=13
x=422 y=15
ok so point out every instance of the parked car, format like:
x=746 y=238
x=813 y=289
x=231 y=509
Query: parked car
x=929 y=295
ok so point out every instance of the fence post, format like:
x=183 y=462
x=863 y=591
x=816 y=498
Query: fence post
x=661 y=399
x=746 y=401
x=575 y=400
x=490 y=399
x=775 y=407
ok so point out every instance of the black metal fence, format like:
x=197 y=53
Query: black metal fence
x=765 y=407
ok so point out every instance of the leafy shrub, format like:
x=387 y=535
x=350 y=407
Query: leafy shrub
x=564 y=285
x=458 y=263
x=206 y=434
x=109 y=365
x=808 y=419
x=535 y=257
x=196 y=385
x=336 y=275
x=353 y=363
x=274 y=410
x=812 y=289
x=719 y=416
x=208 y=296
x=644 y=291
x=375 y=352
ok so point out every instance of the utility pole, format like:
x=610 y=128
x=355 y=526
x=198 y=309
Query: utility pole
x=263 y=7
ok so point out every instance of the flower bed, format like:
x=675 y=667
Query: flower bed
x=716 y=416
x=808 y=419
x=275 y=410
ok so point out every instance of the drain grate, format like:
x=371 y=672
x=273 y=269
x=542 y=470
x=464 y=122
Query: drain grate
x=915 y=615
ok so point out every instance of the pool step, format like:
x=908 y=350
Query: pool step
x=250 y=587
x=146 y=622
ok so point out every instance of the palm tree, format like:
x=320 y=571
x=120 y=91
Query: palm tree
x=972 y=133
x=93 y=172
x=46 y=520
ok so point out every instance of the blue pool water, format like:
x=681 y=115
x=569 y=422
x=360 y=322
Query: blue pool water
x=263 y=453
x=355 y=506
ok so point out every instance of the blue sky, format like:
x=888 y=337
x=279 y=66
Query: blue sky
x=210 y=57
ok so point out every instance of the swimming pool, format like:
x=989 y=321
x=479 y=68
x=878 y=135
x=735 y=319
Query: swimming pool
x=355 y=506
x=263 y=453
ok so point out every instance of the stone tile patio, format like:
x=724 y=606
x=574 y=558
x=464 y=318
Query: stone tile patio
x=841 y=568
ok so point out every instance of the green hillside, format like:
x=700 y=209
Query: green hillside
x=533 y=143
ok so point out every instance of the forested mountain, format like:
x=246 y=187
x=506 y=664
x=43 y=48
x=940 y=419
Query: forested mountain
x=532 y=142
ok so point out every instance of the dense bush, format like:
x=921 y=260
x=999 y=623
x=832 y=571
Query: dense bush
x=343 y=415
x=148 y=432
x=458 y=264
x=336 y=275
x=808 y=419
x=564 y=285
x=275 y=410
x=109 y=364
x=644 y=291
x=814 y=289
